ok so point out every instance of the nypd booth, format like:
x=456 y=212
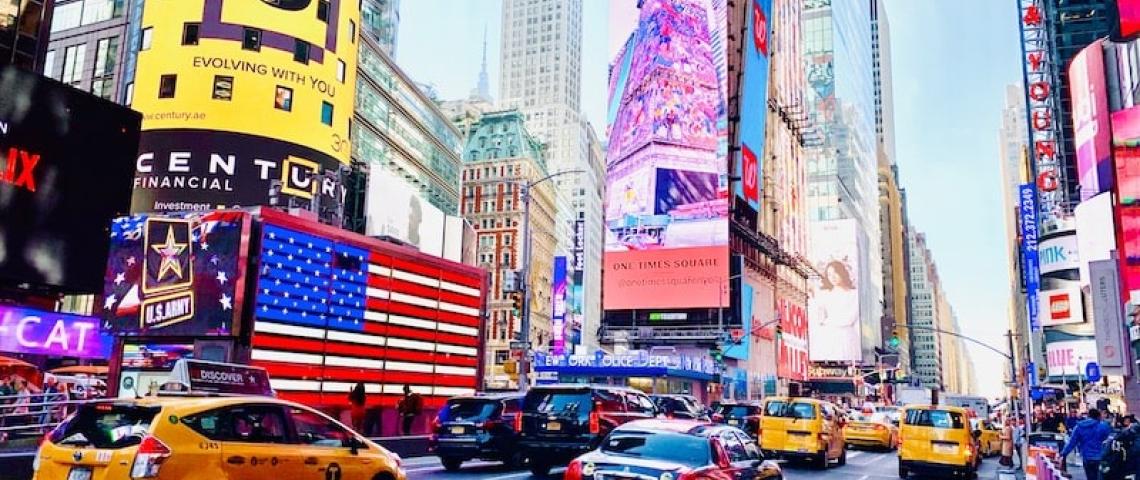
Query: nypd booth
x=649 y=372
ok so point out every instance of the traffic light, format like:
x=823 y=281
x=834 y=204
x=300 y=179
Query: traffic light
x=717 y=355
x=896 y=337
x=779 y=331
x=516 y=303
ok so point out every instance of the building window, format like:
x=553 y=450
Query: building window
x=223 y=87
x=352 y=31
x=340 y=69
x=323 y=10
x=166 y=86
x=283 y=100
x=129 y=96
x=49 y=65
x=251 y=39
x=103 y=87
x=301 y=51
x=73 y=59
x=147 y=38
x=190 y=33
x=326 y=113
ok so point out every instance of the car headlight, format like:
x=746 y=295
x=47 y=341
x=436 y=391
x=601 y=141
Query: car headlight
x=588 y=469
x=667 y=476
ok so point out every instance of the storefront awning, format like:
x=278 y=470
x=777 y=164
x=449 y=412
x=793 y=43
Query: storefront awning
x=591 y=371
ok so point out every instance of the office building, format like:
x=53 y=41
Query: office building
x=896 y=285
x=1012 y=138
x=88 y=46
x=380 y=20
x=501 y=155
x=24 y=30
x=924 y=292
x=842 y=166
x=541 y=73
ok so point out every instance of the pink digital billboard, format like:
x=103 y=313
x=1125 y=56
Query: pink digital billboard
x=1126 y=152
x=1090 y=120
x=666 y=162
x=1129 y=17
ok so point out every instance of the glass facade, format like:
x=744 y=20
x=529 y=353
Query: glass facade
x=842 y=170
x=380 y=20
x=22 y=35
x=398 y=127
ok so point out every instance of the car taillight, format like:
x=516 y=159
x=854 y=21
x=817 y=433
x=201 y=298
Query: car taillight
x=823 y=437
x=573 y=471
x=518 y=422
x=435 y=424
x=149 y=457
x=880 y=427
x=488 y=425
x=595 y=423
x=716 y=417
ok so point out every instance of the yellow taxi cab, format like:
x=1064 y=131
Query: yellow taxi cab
x=803 y=429
x=989 y=440
x=937 y=440
x=237 y=437
x=874 y=430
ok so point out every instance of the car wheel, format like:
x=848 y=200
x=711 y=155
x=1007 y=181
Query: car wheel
x=843 y=457
x=451 y=464
x=539 y=468
x=516 y=460
x=820 y=462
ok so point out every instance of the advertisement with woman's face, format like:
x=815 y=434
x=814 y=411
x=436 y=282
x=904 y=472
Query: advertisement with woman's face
x=834 y=304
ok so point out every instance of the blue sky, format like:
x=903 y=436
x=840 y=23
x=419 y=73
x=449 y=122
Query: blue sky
x=951 y=61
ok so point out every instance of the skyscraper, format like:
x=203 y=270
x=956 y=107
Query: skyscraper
x=541 y=72
x=842 y=167
x=24 y=30
x=1012 y=138
x=884 y=87
x=380 y=19
x=924 y=292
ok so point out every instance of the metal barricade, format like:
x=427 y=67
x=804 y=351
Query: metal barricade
x=31 y=416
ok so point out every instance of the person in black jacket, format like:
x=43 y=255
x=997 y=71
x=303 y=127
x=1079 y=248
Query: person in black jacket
x=357 y=398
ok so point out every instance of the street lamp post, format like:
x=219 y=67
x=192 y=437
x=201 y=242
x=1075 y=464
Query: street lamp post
x=524 y=335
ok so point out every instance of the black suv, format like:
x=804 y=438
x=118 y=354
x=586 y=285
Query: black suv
x=484 y=427
x=745 y=416
x=561 y=422
x=680 y=406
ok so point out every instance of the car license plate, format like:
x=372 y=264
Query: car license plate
x=79 y=473
x=554 y=426
x=945 y=448
x=733 y=422
x=457 y=430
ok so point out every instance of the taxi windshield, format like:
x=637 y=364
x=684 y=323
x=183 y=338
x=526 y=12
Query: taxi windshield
x=105 y=425
x=934 y=418
x=799 y=410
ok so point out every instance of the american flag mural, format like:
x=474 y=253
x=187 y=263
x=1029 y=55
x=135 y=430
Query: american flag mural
x=329 y=313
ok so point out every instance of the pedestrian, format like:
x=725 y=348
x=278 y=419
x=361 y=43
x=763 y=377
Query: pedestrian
x=1088 y=438
x=1019 y=442
x=1007 y=444
x=357 y=398
x=408 y=408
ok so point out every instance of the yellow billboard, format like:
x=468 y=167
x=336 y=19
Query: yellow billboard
x=243 y=101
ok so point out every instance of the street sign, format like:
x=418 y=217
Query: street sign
x=1092 y=372
x=518 y=345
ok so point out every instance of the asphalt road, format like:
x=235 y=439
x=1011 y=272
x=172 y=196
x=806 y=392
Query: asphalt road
x=861 y=465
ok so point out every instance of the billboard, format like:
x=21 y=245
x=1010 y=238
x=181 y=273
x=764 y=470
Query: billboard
x=1107 y=316
x=558 y=309
x=1058 y=253
x=255 y=90
x=757 y=301
x=1126 y=152
x=1096 y=236
x=36 y=332
x=67 y=159
x=1129 y=17
x=753 y=103
x=1031 y=276
x=1092 y=138
x=392 y=208
x=1061 y=306
x=666 y=209
x=176 y=275
x=793 y=362
x=834 y=303
x=1067 y=358
x=335 y=308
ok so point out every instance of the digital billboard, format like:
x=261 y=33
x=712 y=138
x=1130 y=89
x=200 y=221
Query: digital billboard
x=792 y=361
x=834 y=304
x=558 y=309
x=67 y=161
x=1067 y=358
x=176 y=275
x=666 y=208
x=1092 y=138
x=753 y=103
x=1129 y=17
x=1031 y=276
x=335 y=308
x=1058 y=252
x=1061 y=306
x=243 y=102
x=1096 y=235
x=394 y=209
x=30 y=331
x=1126 y=152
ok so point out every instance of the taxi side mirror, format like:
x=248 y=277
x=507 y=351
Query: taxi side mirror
x=977 y=434
x=354 y=445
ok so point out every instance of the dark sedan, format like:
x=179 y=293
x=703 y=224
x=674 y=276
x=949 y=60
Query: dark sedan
x=674 y=449
x=681 y=407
